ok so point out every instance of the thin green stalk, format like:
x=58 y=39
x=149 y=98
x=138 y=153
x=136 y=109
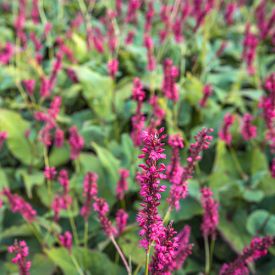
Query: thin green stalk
x=121 y=255
x=147 y=261
x=167 y=215
x=212 y=246
x=86 y=233
x=73 y=226
x=207 y=255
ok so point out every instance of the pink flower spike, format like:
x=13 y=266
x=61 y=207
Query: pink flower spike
x=113 y=67
x=29 y=85
x=101 y=207
x=19 y=205
x=66 y=240
x=76 y=142
x=179 y=188
x=211 y=215
x=49 y=173
x=122 y=185
x=148 y=217
x=207 y=92
x=248 y=130
x=169 y=86
x=21 y=251
x=257 y=249
x=121 y=221
x=224 y=133
x=89 y=193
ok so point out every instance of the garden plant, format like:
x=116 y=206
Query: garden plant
x=137 y=137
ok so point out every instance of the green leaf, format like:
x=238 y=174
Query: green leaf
x=31 y=179
x=16 y=230
x=110 y=164
x=253 y=195
x=130 y=246
x=234 y=231
x=97 y=90
x=261 y=221
x=60 y=156
x=41 y=264
x=16 y=127
x=92 y=262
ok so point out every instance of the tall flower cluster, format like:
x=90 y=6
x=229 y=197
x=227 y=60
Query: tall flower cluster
x=248 y=130
x=257 y=249
x=250 y=44
x=121 y=221
x=210 y=215
x=19 y=205
x=229 y=13
x=66 y=240
x=224 y=132
x=6 y=53
x=50 y=124
x=122 y=184
x=76 y=142
x=207 y=92
x=21 y=251
x=169 y=86
x=138 y=119
x=89 y=193
x=164 y=252
x=148 y=217
x=101 y=207
x=63 y=200
x=265 y=23
x=158 y=113
x=179 y=189
x=174 y=169
x=184 y=248
x=149 y=45
x=171 y=251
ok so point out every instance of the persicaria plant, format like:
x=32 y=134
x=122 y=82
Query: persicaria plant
x=137 y=137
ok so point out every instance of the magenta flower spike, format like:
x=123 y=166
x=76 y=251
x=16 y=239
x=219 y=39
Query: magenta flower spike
x=66 y=240
x=174 y=169
x=101 y=207
x=248 y=130
x=19 y=205
x=257 y=249
x=121 y=221
x=149 y=178
x=210 y=213
x=224 y=132
x=122 y=184
x=76 y=142
x=179 y=188
x=89 y=193
x=21 y=251
x=169 y=86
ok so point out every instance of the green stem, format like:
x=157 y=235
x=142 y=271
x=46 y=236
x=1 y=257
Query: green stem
x=86 y=233
x=121 y=255
x=212 y=246
x=207 y=255
x=167 y=215
x=73 y=226
x=147 y=260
